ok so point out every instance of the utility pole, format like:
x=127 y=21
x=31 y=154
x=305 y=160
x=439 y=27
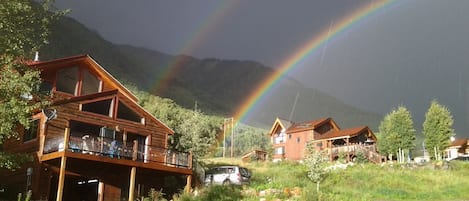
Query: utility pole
x=232 y=136
x=228 y=124
x=224 y=137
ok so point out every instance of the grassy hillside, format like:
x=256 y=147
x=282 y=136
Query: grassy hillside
x=288 y=181
x=217 y=86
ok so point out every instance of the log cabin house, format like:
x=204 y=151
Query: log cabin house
x=94 y=142
x=290 y=140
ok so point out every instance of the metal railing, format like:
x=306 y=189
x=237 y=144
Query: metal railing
x=130 y=150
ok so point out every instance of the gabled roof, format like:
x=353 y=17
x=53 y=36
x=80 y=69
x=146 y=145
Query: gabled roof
x=291 y=127
x=346 y=133
x=87 y=61
x=282 y=123
x=93 y=66
x=309 y=125
x=285 y=123
x=459 y=142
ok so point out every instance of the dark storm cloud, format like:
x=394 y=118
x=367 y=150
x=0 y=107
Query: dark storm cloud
x=261 y=30
x=408 y=54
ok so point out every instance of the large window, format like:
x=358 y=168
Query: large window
x=124 y=112
x=90 y=83
x=324 y=128
x=280 y=138
x=67 y=80
x=103 y=107
x=45 y=88
x=31 y=133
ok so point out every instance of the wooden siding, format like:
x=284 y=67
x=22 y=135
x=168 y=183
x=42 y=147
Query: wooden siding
x=51 y=144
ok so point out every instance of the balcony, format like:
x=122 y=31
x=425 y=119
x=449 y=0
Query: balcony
x=369 y=151
x=112 y=149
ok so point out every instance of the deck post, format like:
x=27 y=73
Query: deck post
x=190 y=160
x=63 y=163
x=188 y=183
x=133 y=173
x=348 y=149
x=42 y=140
x=101 y=191
x=135 y=150
x=60 y=186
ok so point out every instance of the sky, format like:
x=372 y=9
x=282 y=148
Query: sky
x=407 y=53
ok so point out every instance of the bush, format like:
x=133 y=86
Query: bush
x=360 y=158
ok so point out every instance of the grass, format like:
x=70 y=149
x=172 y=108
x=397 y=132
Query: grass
x=432 y=182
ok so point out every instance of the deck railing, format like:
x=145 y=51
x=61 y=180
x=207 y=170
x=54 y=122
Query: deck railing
x=130 y=150
x=368 y=150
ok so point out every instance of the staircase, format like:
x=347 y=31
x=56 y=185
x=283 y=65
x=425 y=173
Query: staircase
x=370 y=153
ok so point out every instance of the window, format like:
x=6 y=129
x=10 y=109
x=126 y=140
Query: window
x=280 y=150
x=107 y=133
x=124 y=112
x=45 y=88
x=324 y=128
x=90 y=83
x=298 y=139
x=103 y=107
x=31 y=133
x=280 y=138
x=67 y=80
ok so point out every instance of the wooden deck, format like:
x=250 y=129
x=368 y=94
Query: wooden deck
x=127 y=154
x=369 y=151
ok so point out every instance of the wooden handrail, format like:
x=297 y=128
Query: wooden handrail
x=368 y=150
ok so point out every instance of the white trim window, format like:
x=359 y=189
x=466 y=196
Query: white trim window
x=280 y=138
x=280 y=150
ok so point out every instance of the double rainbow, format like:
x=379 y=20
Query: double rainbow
x=317 y=41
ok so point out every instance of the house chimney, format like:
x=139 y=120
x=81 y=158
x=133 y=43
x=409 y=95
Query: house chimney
x=36 y=57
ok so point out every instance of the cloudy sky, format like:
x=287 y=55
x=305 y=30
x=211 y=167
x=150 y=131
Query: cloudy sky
x=407 y=53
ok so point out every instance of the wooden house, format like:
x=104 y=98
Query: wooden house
x=290 y=140
x=94 y=142
x=254 y=155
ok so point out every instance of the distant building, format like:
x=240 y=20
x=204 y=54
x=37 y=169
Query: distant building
x=458 y=147
x=290 y=140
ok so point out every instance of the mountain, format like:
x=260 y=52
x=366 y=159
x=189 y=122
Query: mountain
x=212 y=85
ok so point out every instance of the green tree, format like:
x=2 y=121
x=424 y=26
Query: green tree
x=23 y=29
x=437 y=129
x=248 y=138
x=194 y=131
x=315 y=162
x=396 y=132
x=198 y=133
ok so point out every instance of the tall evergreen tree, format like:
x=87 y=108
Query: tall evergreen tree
x=396 y=132
x=23 y=29
x=437 y=129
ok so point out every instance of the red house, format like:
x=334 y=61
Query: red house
x=290 y=140
x=94 y=142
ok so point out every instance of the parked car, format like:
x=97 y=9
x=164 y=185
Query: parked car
x=226 y=175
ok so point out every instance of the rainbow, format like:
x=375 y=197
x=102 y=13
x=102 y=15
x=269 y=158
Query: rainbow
x=303 y=52
x=199 y=36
